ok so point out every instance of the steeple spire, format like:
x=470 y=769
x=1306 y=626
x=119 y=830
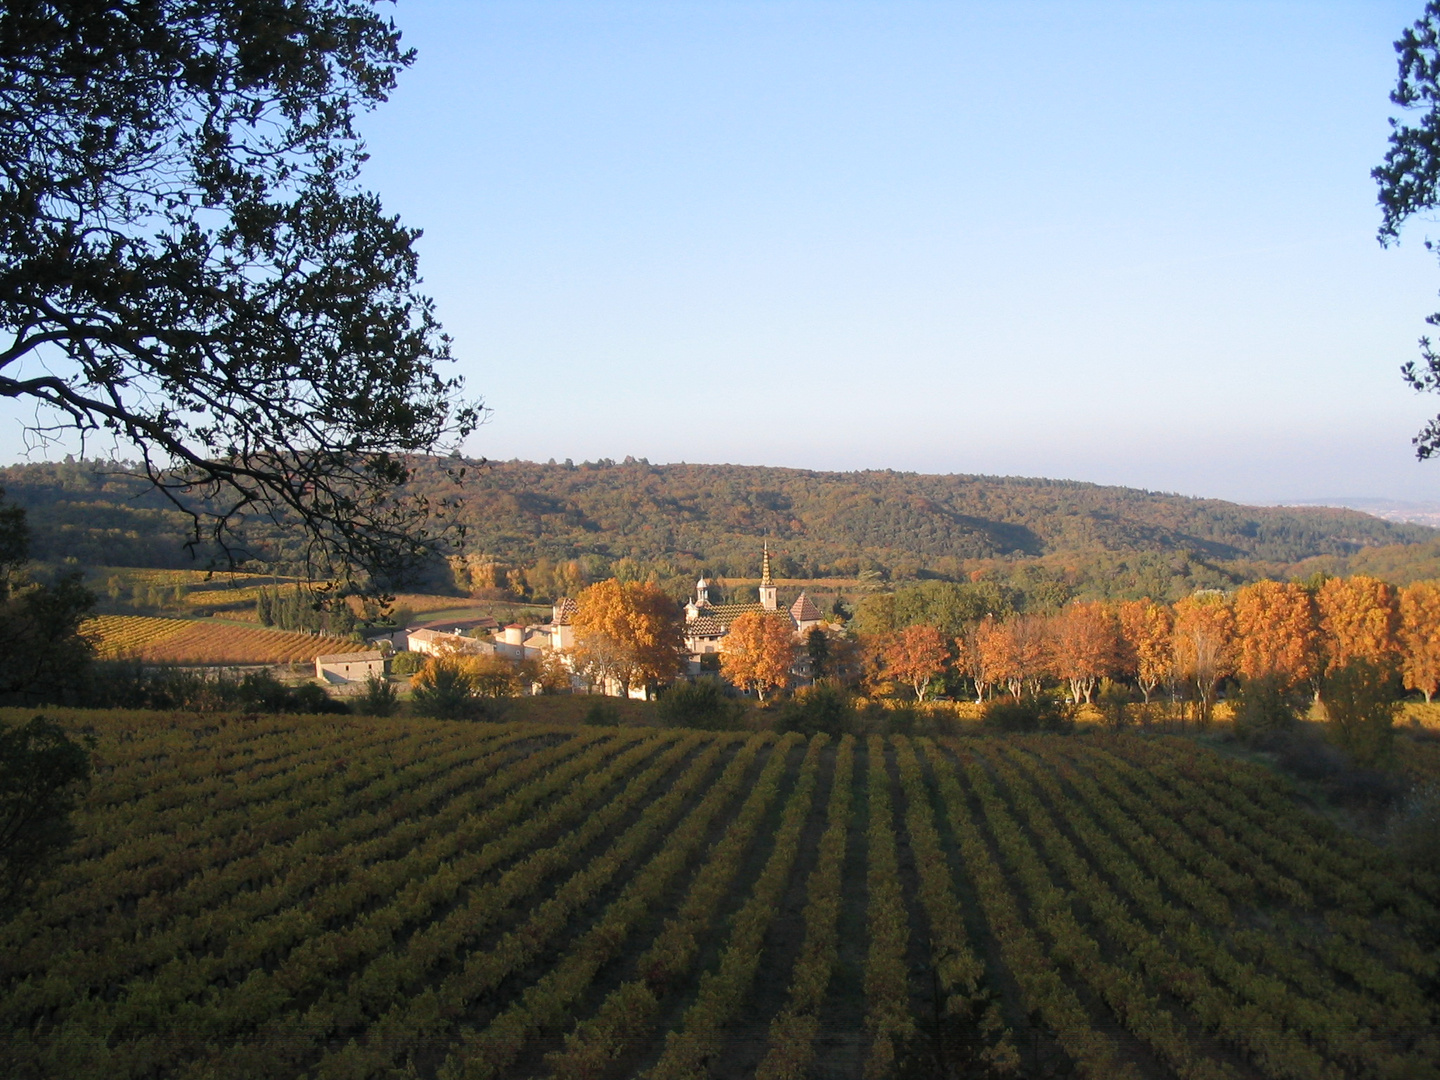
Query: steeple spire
x=767 y=584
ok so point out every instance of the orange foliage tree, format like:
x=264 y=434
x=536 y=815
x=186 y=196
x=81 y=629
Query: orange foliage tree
x=1203 y=637
x=1420 y=637
x=1360 y=620
x=1146 y=650
x=628 y=632
x=1012 y=652
x=916 y=655
x=1084 y=641
x=1277 y=631
x=968 y=661
x=758 y=651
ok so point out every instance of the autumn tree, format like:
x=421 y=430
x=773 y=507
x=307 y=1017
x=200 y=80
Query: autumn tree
x=1360 y=620
x=1203 y=638
x=1084 y=645
x=916 y=656
x=1277 y=633
x=1013 y=653
x=1146 y=651
x=1032 y=638
x=994 y=657
x=758 y=651
x=629 y=632
x=969 y=659
x=1420 y=637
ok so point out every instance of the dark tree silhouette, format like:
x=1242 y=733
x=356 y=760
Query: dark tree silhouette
x=1409 y=178
x=187 y=262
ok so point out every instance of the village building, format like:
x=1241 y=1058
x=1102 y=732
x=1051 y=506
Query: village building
x=351 y=667
x=440 y=643
x=707 y=624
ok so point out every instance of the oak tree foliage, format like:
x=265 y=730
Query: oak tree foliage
x=188 y=264
x=1409 y=178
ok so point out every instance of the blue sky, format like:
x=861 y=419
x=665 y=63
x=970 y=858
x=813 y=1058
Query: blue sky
x=1123 y=242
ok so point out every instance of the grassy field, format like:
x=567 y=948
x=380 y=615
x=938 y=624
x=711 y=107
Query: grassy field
x=364 y=898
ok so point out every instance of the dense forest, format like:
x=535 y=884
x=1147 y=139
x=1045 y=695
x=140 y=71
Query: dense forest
x=541 y=528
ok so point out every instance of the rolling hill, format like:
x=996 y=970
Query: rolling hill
x=676 y=520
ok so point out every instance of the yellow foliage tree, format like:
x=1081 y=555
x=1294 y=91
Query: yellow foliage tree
x=1147 y=654
x=758 y=651
x=1359 y=619
x=630 y=632
x=1277 y=632
x=1420 y=637
x=1203 y=638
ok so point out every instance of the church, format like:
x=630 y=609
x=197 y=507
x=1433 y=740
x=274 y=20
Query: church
x=706 y=623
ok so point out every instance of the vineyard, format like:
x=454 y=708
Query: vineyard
x=196 y=641
x=363 y=898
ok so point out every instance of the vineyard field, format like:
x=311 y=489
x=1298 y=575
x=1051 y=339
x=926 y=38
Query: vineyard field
x=201 y=641
x=347 y=898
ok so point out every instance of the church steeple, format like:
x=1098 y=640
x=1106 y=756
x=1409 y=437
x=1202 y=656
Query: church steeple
x=767 y=584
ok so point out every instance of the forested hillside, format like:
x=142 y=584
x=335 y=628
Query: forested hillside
x=673 y=520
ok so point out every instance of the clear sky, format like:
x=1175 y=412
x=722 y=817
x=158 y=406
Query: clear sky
x=1124 y=242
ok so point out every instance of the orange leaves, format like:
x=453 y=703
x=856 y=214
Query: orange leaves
x=1420 y=637
x=1146 y=629
x=1277 y=632
x=1360 y=619
x=916 y=655
x=1084 y=646
x=758 y=651
x=629 y=632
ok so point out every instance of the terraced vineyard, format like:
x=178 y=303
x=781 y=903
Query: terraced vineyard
x=200 y=641
x=360 y=898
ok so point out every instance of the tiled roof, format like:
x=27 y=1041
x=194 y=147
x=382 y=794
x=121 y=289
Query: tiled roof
x=565 y=609
x=705 y=626
x=721 y=616
x=804 y=610
x=350 y=657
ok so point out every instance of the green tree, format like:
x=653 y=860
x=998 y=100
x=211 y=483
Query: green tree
x=186 y=260
x=42 y=774
x=1409 y=178
x=42 y=654
x=1360 y=702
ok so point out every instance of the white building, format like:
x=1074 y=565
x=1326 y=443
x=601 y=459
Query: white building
x=350 y=667
x=439 y=643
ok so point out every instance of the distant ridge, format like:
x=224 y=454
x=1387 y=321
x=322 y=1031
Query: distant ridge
x=673 y=521
x=1415 y=513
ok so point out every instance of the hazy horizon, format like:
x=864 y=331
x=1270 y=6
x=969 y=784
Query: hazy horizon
x=1122 y=243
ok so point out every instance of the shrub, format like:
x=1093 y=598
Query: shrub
x=443 y=689
x=1026 y=715
x=1111 y=699
x=1415 y=832
x=1264 y=708
x=601 y=714
x=824 y=707
x=1360 y=703
x=132 y=685
x=379 y=698
x=699 y=704
x=406 y=663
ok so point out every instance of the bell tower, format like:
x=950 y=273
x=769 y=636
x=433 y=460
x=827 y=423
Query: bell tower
x=767 y=584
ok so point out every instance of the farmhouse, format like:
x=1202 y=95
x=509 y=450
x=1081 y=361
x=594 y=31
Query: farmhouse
x=350 y=667
x=439 y=643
